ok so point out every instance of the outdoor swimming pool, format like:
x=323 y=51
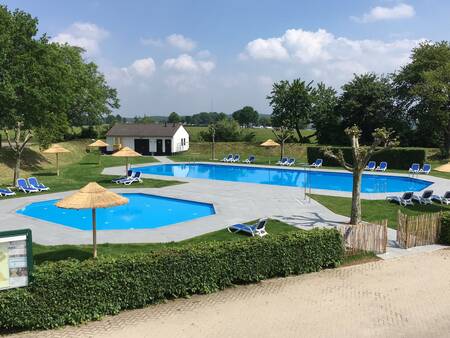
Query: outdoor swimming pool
x=315 y=179
x=142 y=212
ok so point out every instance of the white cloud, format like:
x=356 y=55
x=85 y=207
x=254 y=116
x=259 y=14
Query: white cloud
x=379 y=13
x=83 y=34
x=143 y=67
x=181 y=42
x=151 y=42
x=322 y=56
x=186 y=63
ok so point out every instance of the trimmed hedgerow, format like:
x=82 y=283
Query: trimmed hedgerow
x=71 y=292
x=445 y=229
x=397 y=158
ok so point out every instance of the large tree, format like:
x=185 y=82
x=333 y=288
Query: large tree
x=423 y=91
x=174 y=118
x=325 y=116
x=41 y=84
x=382 y=138
x=368 y=101
x=291 y=103
x=246 y=117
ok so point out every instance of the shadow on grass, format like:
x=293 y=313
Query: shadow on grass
x=62 y=254
x=31 y=160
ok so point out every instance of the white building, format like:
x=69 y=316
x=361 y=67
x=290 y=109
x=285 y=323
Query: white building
x=148 y=139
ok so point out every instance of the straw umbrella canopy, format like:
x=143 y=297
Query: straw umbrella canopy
x=98 y=144
x=92 y=196
x=126 y=152
x=56 y=149
x=270 y=144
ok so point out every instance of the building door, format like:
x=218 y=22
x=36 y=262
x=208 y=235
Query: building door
x=159 y=149
x=168 y=147
x=142 y=146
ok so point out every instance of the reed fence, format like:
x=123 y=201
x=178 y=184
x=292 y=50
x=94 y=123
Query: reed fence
x=367 y=237
x=418 y=230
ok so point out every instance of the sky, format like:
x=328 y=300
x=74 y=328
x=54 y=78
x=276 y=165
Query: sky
x=211 y=55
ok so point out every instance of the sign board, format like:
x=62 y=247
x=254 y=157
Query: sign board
x=16 y=260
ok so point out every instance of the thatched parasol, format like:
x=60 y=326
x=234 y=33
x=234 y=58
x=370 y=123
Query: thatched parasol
x=92 y=196
x=56 y=149
x=126 y=152
x=269 y=144
x=98 y=144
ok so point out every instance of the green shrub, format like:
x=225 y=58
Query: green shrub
x=71 y=292
x=445 y=229
x=397 y=158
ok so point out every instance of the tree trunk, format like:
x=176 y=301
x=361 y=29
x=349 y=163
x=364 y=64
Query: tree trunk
x=17 y=168
x=355 y=217
x=282 y=149
x=299 y=133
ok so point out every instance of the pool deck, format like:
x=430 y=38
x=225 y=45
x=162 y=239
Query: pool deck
x=234 y=202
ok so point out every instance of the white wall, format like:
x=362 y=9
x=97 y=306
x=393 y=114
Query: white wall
x=176 y=141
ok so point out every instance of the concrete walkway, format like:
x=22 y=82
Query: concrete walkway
x=163 y=159
x=407 y=297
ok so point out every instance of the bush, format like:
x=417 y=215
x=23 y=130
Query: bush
x=397 y=158
x=445 y=229
x=71 y=292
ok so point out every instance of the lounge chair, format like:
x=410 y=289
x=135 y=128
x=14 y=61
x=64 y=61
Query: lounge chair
x=415 y=167
x=405 y=200
x=442 y=199
x=371 y=166
x=236 y=158
x=229 y=158
x=129 y=174
x=6 y=192
x=425 y=169
x=258 y=229
x=136 y=177
x=425 y=198
x=317 y=163
x=33 y=181
x=290 y=162
x=382 y=167
x=23 y=185
x=283 y=161
x=250 y=159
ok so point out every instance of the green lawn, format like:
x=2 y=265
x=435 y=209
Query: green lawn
x=376 y=210
x=76 y=175
x=59 y=252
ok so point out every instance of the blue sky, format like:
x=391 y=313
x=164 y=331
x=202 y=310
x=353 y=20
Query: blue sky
x=191 y=56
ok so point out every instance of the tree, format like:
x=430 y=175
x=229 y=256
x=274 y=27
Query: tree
x=325 y=116
x=174 y=118
x=291 y=103
x=282 y=134
x=368 y=101
x=422 y=88
x=382 y=138
x=144 y=119
x=265 y=121
x=246 y=117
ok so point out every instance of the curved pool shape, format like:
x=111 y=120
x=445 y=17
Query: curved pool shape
x=288 y=177
x=142 y=212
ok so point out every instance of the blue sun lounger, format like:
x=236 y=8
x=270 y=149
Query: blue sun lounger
x=258 y=229
x=23 y=185
x=136 y=177
x=290 y=162
x=250 y=159
x=6 y=192
x=129 y=174
x=415 y=167
x=235 y=159
x=425 y=169
x=425 y=198
x=229 y=158
x=371 y=166
x=406 y=199
x=33 y=181
x=445 y=199
x=318 y=163
x=382 y=167
x=283 y=161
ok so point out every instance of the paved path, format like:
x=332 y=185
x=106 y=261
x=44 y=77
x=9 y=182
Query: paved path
x=163 y=159
x=407 y=297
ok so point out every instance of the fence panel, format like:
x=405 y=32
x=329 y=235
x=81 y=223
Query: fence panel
x=367 y=237
x=418 y=230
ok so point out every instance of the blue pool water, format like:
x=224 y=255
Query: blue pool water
x=142 y=212
x=288 y=177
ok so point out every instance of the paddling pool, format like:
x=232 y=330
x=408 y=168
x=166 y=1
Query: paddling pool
x=314 y=179
x=142 y=212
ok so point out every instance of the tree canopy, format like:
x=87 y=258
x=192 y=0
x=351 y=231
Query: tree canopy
x=174 y=118
x=246 y=117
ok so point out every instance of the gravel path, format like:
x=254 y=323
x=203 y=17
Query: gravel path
x=406 y=297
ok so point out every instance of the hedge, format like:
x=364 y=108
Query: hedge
x=72 y=292
x=445 y=229
x=397 y=158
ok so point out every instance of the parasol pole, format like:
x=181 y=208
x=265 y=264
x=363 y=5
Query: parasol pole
x=94 y=231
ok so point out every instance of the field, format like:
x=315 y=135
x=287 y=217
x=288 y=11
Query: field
x=261 y=134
